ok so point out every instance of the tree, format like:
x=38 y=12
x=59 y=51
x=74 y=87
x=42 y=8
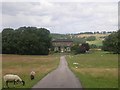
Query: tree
x=26 y=40
x=86 y=46
x=118 y=37
x=112 y=42
x=8 y=43
x=93 y=46
x=77 y=49
x=82 y=49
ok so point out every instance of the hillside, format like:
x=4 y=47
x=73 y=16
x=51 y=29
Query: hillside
x=82 y=38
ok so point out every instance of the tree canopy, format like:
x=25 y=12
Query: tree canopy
x=26 y=40
x=83 y=48
x=112 y=42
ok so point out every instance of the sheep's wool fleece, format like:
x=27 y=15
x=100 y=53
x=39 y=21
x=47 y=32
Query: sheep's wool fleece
x=11 y=77
x=32 y=73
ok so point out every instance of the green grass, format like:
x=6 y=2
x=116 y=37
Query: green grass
x=0 y=71
x=95 y=70
x=96 y=42
x=22 y=65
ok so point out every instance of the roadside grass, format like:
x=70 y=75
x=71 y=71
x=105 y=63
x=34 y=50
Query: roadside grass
x=95 y=70
x=0 y=71
x=22 y=65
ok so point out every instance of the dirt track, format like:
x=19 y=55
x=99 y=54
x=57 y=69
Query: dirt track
x=62 y=77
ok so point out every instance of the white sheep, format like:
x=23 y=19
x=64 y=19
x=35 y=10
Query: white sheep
x=32 y=75
x=13 y=78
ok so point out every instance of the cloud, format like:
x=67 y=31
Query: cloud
x=62 y=17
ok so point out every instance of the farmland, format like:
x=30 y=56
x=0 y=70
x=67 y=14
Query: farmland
x=96 y=69
x=81 y=38
x=23 y=64
x=0 y=71
x=99 y=38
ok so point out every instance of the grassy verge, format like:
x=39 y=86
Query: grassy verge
x=22 y=65
x=0 y=71
x=95 y=70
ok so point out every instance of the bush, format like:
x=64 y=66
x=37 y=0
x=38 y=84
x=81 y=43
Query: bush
x=77 y=49
x=93 y=46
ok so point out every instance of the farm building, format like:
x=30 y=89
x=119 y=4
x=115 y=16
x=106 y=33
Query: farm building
x=62 y=45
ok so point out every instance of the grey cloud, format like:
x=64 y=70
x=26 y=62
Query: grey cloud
x=61 y=17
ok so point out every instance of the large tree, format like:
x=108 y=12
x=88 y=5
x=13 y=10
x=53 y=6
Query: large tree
x=112 y=42
x=26 y=40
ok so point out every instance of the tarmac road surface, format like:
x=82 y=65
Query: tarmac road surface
x=62 y=77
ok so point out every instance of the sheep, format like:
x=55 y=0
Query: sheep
x=32 y=75
x=76 y=63
x=13 y=78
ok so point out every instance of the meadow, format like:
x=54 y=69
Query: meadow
x=98 y=41
x=97 y=69
x=0 y=71
x=22 y=65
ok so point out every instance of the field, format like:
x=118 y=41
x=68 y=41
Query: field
x=99 y=38
x=95 y=70
x=97 y=42
x=0 y=71
x=22 y=65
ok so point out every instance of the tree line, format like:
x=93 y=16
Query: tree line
x=97 y=32
x=37 y=41
x=26 y=40
x=76 y=40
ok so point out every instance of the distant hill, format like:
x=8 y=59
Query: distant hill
x=82 y=37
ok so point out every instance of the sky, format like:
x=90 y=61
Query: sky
x=61 y=17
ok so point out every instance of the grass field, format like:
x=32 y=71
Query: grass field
x=96 y=35
x=98 y=40
x=23 y=64
x=0 y=71
x=95 y=70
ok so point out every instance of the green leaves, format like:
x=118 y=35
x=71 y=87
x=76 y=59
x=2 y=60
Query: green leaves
x=77 y=49
x=26 y=40
x=112 y=42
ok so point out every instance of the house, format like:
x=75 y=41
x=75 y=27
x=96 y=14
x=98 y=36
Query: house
x=62 y=45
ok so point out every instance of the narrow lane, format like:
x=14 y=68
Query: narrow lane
x=62 y=77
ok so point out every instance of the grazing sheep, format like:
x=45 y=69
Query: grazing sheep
x=13 y=78
x=76 y=67
x=32 y=75
x=76 y=63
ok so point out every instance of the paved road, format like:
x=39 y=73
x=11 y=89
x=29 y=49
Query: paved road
x=62 y=77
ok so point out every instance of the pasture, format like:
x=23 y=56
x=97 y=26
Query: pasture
x=0 y=71
x=99 y=38
x=97 y=42
x=95 y=70
x=22 y=65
